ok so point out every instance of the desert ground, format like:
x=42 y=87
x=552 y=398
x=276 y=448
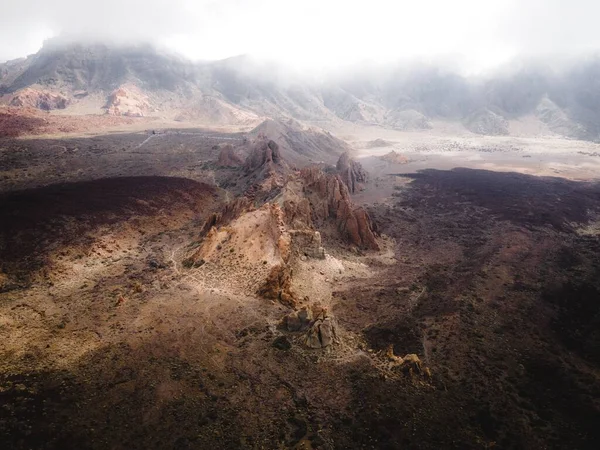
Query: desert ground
x=475 y=325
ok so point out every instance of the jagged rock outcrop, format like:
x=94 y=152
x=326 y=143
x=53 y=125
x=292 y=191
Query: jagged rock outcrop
x=307 y=243
x=264 y=155
x=301 y=145
x=299 y=320
x=228 y=158
x=230 y=211
x=322 y=333
x=278 y=286
x=265 y=170
x=351 y=172
x=330 y=199
x=40 y=99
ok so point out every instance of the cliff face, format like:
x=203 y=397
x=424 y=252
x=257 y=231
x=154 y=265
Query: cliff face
x=351 y=172
x=330 y=199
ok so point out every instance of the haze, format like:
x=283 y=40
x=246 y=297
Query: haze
x=314 y=33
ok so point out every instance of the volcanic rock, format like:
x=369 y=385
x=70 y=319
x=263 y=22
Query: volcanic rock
x=351 y=172
x=265 y=154
x=278 y=286
x=330 y=199
x=299 y=320
x=128 y=100
x=40 y=99
x=322 y=333
x=395 y=158
x=307 y=243
x=230 y=211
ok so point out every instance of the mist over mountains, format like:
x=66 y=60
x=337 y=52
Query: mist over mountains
x=399 y=96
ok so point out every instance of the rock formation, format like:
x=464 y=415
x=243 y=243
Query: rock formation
x=307 y=243
x=264 y=155
x=330 y=199
x=322 y=333
x=299 y=320
x=265 y=170
x=129 y=101
x=40 y=99
x=351 y=172
x=278 y=284
x=268 y=239
x=229 y=212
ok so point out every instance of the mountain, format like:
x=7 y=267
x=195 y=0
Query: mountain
x=144 y=80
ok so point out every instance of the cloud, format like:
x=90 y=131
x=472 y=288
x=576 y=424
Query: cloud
x=313 y=32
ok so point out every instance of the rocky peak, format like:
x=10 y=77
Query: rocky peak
x=351 y=172
x=265 y=154
x=330 y=199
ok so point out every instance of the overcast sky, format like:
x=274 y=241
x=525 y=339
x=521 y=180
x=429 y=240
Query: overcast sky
x=315 y=32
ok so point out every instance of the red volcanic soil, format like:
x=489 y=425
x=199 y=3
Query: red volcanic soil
x=16 y=122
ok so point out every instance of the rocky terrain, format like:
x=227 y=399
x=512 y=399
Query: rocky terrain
x=190 y=259
x=186 y=289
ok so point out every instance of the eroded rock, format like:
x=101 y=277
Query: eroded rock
x=330 y=199
x=322 y=333
x=128 y=100
x=278 y=285
x=299 y=320
x=264 y=153
x=40 y=99
x=307 y=243
x=351 y=172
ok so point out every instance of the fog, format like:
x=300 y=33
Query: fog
x=473 y=34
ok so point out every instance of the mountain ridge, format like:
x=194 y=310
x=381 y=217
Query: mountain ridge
x=403 y=97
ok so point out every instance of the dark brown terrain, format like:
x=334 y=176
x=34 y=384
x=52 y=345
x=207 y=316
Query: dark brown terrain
x=113 y=336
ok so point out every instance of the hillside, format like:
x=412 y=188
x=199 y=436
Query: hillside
x=86 y=77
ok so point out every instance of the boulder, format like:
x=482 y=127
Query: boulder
x=299 y=320
x=322 y=333
x=307 y=243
